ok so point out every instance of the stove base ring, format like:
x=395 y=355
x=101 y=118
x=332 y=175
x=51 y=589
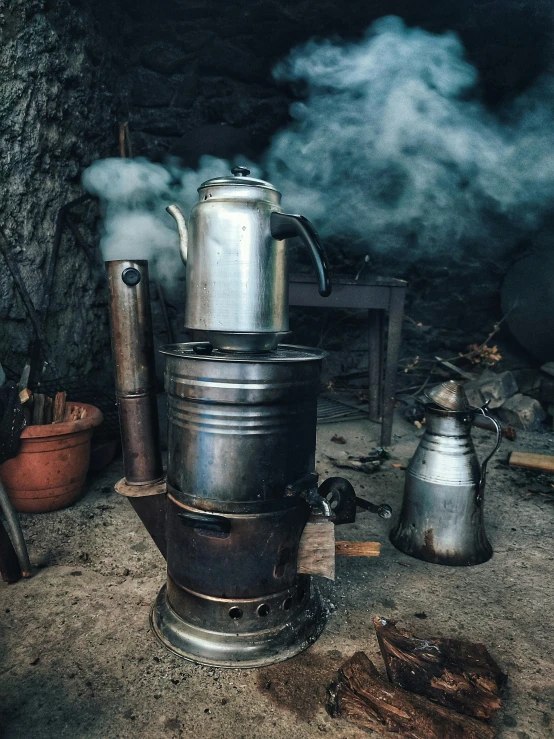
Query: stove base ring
x=233 y=650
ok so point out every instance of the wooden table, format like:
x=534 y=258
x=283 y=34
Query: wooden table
x=383 y=298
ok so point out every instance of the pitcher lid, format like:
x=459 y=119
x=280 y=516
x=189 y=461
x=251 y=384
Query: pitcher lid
x=449 y=395
x=240 y=178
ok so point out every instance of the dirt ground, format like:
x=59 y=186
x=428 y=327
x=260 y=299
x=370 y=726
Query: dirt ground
x=77 y=658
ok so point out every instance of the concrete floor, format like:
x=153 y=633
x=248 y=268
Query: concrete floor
x=77 y=658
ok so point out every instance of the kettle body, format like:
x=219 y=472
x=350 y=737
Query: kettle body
x=441 y=520
x=237 y=262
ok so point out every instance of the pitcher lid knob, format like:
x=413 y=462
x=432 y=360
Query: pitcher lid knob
x=240 y=171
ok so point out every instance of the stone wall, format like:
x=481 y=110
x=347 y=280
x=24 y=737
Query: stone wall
x=58 y=113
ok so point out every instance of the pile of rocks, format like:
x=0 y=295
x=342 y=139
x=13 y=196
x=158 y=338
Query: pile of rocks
x=521 y=398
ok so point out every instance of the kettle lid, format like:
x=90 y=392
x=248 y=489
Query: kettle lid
x=240 y=179
x=449 y=395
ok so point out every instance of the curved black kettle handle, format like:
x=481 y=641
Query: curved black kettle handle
x=286 y=225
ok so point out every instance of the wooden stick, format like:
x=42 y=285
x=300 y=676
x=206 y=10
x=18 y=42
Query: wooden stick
x=364 y=698
x=544 y=462
x=59 y=407
x=122 y=128
x=358 y=548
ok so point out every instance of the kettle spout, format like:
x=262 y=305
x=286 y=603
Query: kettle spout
x=175 y=211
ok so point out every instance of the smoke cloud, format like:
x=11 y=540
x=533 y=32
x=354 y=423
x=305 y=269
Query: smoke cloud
x=390 y=149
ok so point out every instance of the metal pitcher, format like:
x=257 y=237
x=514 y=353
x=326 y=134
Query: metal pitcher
x=237 y=263
x=441 y=520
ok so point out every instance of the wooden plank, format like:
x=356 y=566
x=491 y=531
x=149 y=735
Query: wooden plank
x=457 y=674
x=358 y=548
x=362 y=697
x=543 y=462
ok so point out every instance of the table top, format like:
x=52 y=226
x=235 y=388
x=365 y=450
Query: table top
x=371 y=281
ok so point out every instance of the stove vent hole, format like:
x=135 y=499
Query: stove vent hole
x=263 y=610
x=287 y=603
x=235 y=612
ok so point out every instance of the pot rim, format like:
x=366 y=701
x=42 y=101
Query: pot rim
x=94 y=418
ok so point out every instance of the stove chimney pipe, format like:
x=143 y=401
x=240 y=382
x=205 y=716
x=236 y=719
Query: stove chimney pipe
x=135 y=377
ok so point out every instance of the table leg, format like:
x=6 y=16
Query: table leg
x=394 y=337
x=375 y=363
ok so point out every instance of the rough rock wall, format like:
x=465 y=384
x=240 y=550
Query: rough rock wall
x=57 y=114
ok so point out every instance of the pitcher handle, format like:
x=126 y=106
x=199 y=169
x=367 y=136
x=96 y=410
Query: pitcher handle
x=485 y=411
x=287 y=225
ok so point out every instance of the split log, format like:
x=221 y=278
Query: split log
x=59 y=407
x=362 y=697
x=543 y=462
x=457 y=674
x=38 y=409
x=316 y=550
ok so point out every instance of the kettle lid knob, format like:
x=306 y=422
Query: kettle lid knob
x=240 y=171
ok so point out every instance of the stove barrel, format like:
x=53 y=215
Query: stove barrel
x=241 y=436
x=135 y=376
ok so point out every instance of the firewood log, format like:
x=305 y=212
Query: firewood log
x=362 y=697
x=59 y=407
x=38 y=409
x=48 y=410
x=457 y=674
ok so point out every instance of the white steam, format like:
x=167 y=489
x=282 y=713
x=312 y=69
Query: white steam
x=390 y=150
x=134 y=194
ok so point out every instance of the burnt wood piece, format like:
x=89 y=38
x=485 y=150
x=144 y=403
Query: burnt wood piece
x=10 y=569
x=362 y=697
x=457 y=674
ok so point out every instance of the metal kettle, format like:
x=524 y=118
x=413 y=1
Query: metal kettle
x=237 y=264
x=441 y=520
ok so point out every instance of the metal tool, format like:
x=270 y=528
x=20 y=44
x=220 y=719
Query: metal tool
x=18 y=540
x=237 y=262
x=383 y=510
x=441 y=520
x=343 y=500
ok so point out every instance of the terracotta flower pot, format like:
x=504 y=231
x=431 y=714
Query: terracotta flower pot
x=49 y=471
